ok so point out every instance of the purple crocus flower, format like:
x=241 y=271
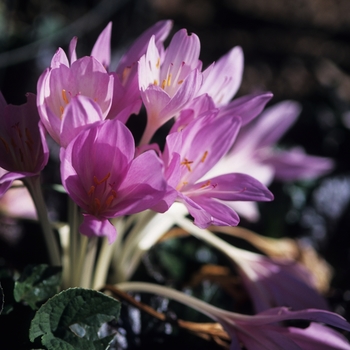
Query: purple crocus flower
x=126 y=94
x=100 y=174
x=60 y=83
x=266 y=330
x=190 y=153
x=24 y=149
x=168 y=82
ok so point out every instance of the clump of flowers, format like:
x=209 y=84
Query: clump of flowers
x=126 y=193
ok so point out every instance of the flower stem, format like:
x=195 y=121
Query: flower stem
x=34 y=188
x=199 y=305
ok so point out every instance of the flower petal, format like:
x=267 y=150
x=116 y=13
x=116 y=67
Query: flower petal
x=93 y=227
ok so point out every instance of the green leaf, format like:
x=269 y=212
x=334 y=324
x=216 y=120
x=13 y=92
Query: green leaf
x=72 y=320
x=37 y=284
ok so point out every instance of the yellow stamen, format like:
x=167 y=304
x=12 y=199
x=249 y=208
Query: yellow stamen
x=206 y=184
x=204 y=156
x=98 y=182
x=169 y=80
x=187 y=163
x=155 y=82
x=64 y=96
x=158 y=63
x=163 y=84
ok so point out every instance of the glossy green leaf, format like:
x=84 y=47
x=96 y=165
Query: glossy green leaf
x=73 y=319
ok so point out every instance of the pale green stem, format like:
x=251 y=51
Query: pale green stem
x=219 y=315
x=89 y=263
x=239 y=256
x=199 y=305
x=152 y=232
x=142 y=219
x=104 y=258
x=34 y=187
x=74 y=246
x=64 y=238
x=81 y=253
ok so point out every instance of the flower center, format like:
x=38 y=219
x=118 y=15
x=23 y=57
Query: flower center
x=101 y=194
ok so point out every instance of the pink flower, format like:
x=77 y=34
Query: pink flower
x=126 y=96
x=24 y=149
x=168 y=82
x=99 y=172
x=190 y=153
x=60 y=83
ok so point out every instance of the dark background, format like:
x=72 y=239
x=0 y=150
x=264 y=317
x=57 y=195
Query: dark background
x=299 y=50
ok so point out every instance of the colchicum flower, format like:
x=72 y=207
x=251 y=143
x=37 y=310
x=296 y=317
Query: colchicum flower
x=101 y=175
x=187 y=158
x=269 y=282
x=265 y=330
x=169 y=82
x=60 y=83
x=24 y=149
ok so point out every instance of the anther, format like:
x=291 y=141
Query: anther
x=64 y=96
x=187 y=163
x=204 y=156
x=98 y=182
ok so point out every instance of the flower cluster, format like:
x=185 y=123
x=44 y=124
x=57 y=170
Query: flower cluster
x=81 y=106
x=217 y=153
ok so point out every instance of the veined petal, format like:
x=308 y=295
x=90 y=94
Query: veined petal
x=184 y=94
x=224 y=77
x=230 y=187
x=183 y=51
x=247 y=107
x=102 y=47
x=149 y=66
x=272 y=123
x=72 y=47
